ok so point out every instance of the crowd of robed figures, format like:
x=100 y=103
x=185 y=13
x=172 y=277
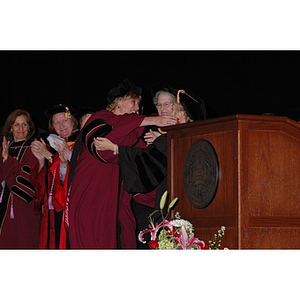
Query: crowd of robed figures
x=96 y=178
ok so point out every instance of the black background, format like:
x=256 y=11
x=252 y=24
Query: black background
x=230 y=82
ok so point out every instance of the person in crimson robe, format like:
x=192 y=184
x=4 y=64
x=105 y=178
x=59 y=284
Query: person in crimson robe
x=94 y=206
x=144 y=171
x=20 y=216
x=52 y=174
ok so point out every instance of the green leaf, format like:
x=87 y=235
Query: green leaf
x=163 y=200
x=153 y=213
x=173 y=202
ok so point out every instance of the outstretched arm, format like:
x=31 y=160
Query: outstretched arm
x=159 y=121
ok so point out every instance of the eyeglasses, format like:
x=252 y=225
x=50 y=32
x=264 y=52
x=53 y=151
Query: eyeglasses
x=166 y=105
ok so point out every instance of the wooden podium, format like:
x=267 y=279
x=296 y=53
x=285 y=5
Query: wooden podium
x=257 y=190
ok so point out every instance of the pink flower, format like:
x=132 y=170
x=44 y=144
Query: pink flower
x=184 y=242
x=153 y=229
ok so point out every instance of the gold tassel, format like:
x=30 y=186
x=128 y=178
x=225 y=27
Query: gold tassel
x=161 y=131
x=178 y=95
x=67 y=113
x=184 y=92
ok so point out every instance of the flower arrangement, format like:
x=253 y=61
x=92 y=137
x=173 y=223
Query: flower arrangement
x=175 y=234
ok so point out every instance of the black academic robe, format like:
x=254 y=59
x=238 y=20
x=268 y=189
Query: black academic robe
x=143 y=170
x=144 y=174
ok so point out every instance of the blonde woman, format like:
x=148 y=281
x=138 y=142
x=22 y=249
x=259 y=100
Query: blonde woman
x=144 y=171
x=94 y=191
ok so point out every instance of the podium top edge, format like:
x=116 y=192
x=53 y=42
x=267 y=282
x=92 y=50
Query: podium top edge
x=242 y=117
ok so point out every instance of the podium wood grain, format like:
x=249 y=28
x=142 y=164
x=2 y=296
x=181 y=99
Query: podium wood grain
x=258 y=196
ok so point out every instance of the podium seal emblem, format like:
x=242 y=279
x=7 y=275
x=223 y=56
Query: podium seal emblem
x=201 y=173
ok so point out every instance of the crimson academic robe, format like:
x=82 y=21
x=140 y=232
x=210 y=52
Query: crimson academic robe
x=53 y=232
x=19 y=214
x=94 y=188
